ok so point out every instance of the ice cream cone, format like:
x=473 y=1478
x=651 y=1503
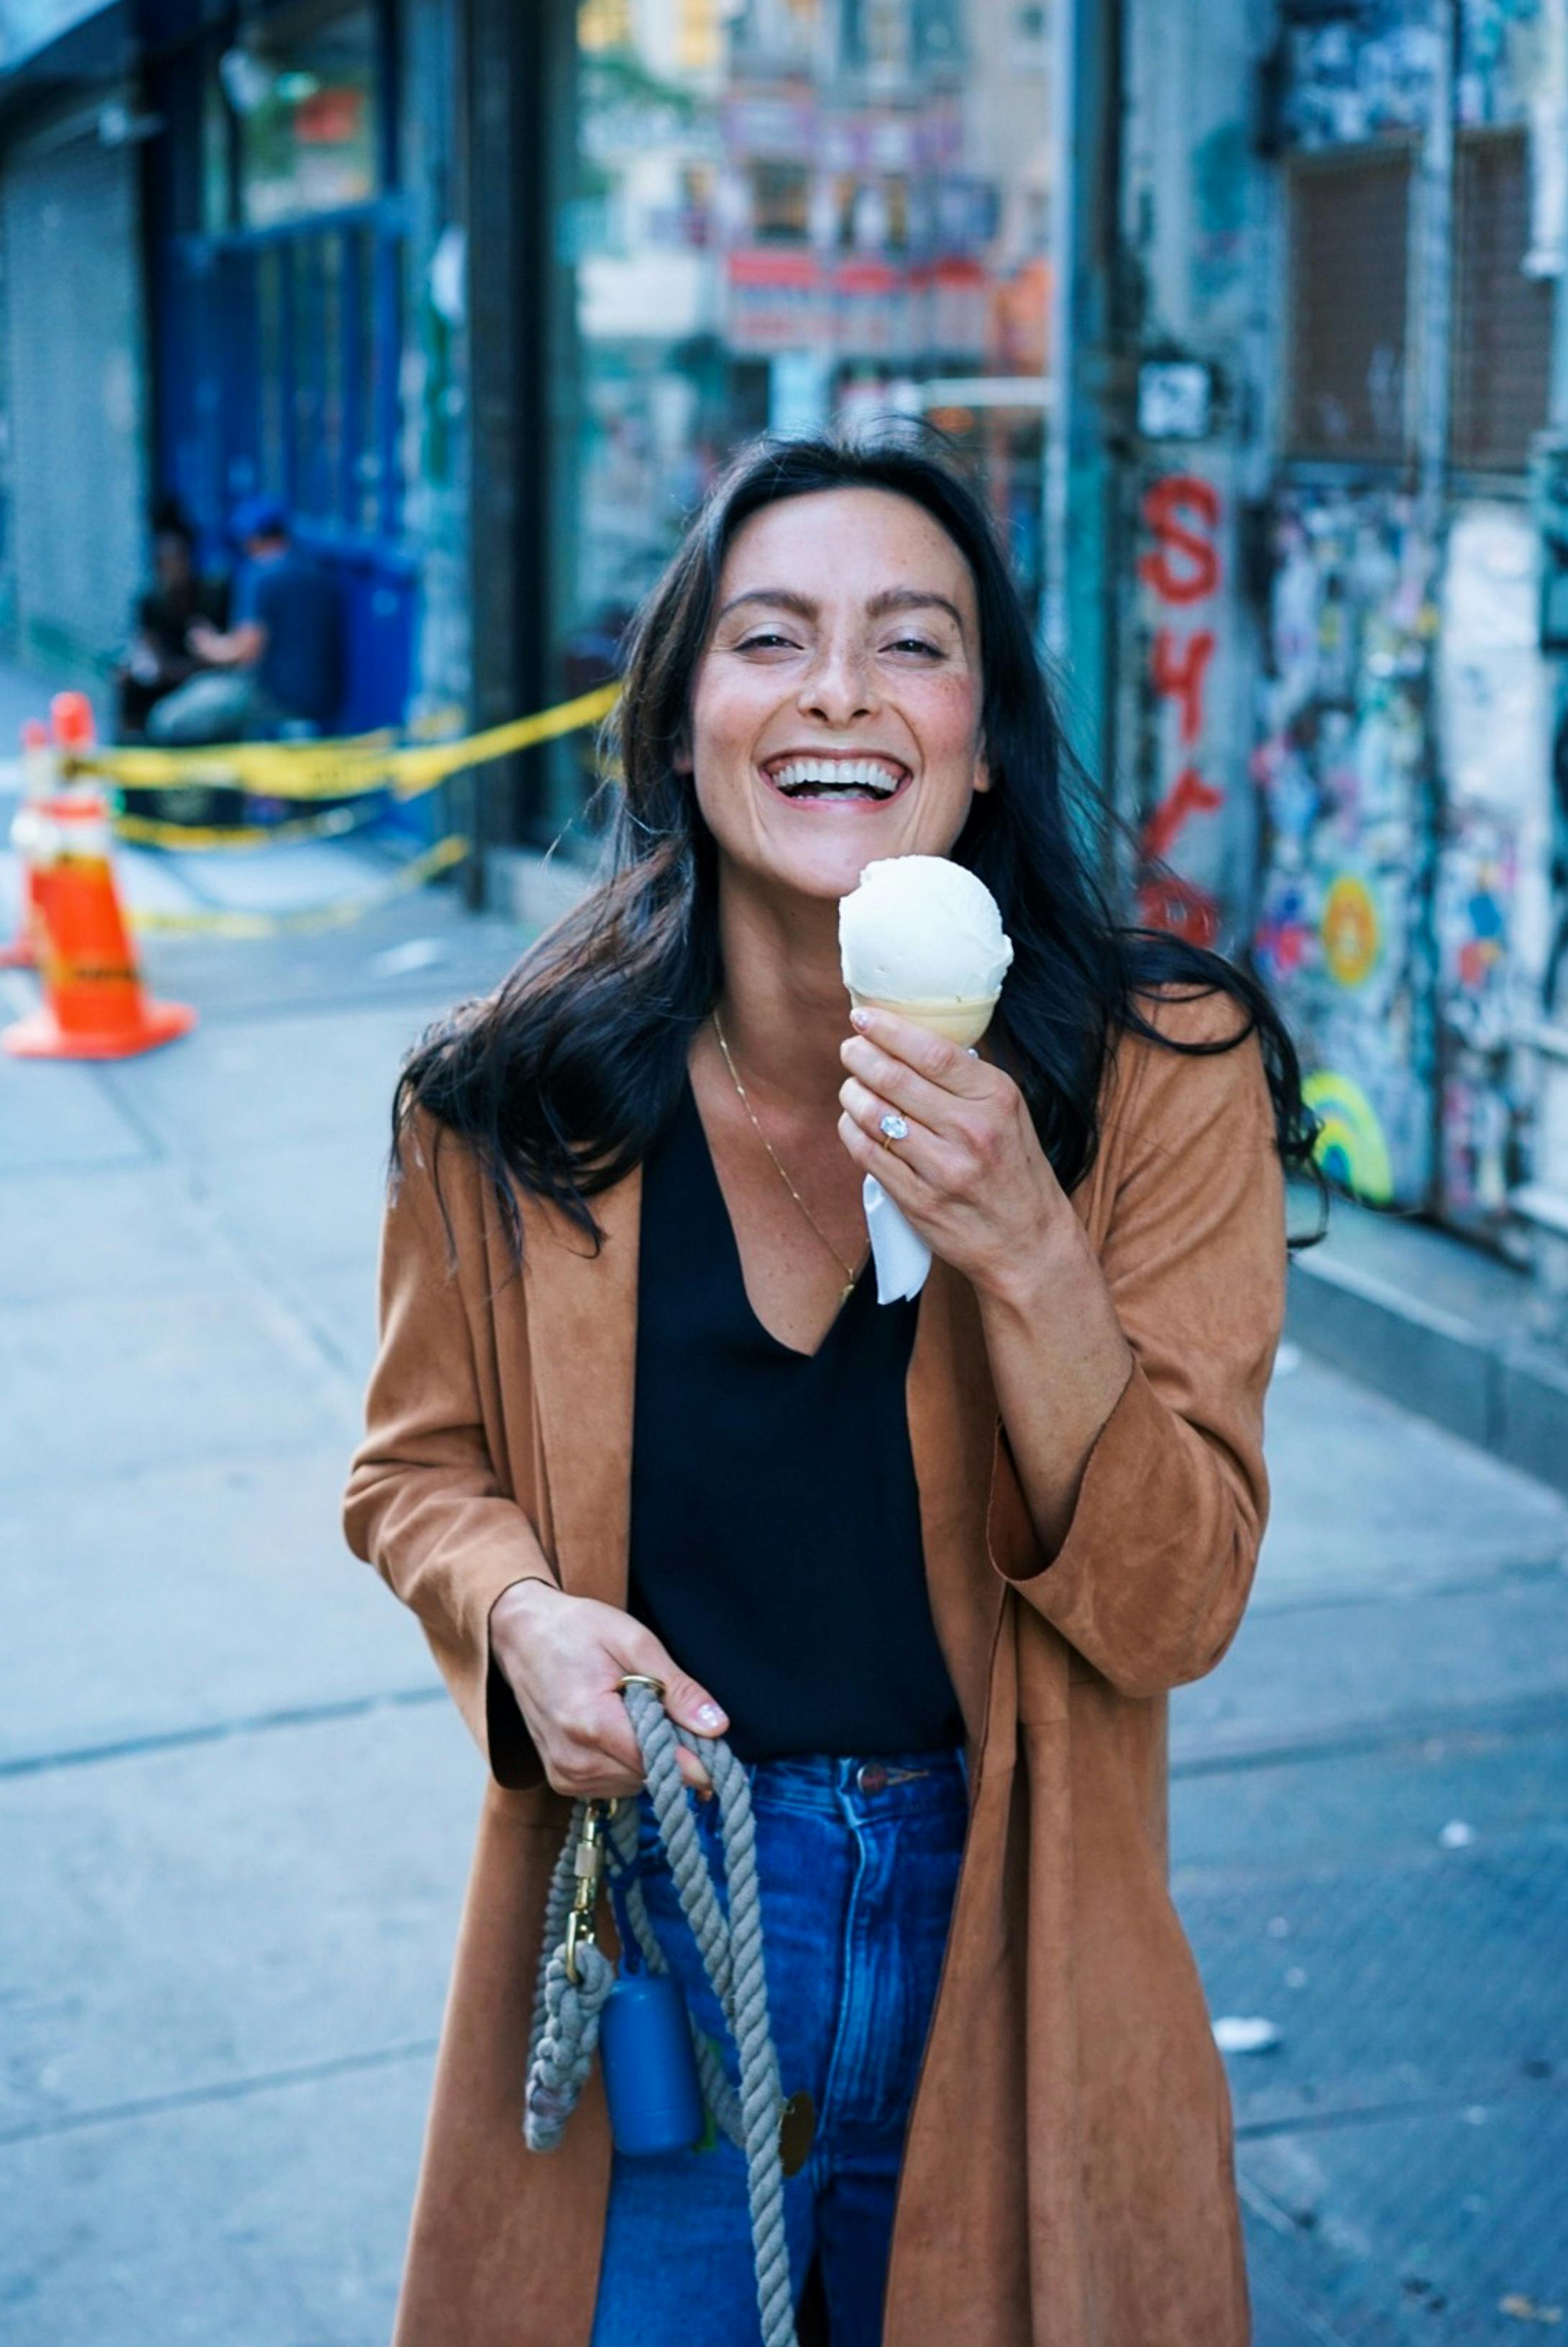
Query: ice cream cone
x=960 y=1020
x=927 y=935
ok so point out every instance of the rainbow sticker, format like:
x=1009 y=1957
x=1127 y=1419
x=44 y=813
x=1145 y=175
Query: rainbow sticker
x=1351 y=1147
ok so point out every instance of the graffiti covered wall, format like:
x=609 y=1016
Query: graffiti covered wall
x=1504 y=55
x=1404 y=766
x=1406 y=910
x=1343 y=778
x=1361 y=72
x=1368 y=69
x=1493 y=914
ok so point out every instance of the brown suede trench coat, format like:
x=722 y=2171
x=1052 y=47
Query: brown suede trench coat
x=1067 y=2180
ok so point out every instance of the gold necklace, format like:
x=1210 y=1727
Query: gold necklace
x=851 y=1272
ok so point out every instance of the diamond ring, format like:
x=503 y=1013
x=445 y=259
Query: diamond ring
x=892 y=1127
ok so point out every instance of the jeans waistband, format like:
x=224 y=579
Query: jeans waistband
x=821 y=1780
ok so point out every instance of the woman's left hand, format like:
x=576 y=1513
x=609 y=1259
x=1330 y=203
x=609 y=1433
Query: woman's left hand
x=970 y=1174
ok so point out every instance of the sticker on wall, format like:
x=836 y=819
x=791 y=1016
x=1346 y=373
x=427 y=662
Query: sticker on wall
x=1282 y=940
x=1480 y=953
x=1350 y=1148
x=1350 y=931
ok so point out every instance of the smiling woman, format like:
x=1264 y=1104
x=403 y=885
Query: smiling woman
x=835 y=719
x=934 y=1567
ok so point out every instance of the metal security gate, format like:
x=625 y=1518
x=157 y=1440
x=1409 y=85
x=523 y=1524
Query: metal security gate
x=280 y=352
x=74 y=394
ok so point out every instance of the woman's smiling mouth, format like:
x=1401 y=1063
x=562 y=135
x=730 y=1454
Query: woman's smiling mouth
x=827 y=779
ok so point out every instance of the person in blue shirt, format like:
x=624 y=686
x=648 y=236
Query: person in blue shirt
x=277 y=669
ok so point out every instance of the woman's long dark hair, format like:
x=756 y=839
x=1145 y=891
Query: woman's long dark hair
x=562 y=1077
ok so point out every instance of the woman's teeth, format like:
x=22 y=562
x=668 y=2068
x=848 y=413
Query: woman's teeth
x=861 y=778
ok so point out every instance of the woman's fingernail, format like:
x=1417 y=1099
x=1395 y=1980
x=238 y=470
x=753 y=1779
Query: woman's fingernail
x=709 y=1716
x=858 y=1017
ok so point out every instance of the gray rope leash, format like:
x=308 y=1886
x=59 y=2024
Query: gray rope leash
x=576 y=1979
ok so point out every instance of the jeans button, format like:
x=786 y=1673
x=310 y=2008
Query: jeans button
x=871 y=1776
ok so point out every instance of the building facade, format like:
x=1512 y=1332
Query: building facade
x=1409 y=918
x=231 y=265
x=1343 y=360
x=74 y=450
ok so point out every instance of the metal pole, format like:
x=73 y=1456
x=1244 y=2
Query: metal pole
x=1432 y=305
x=1093 y=390
x=1055 y=635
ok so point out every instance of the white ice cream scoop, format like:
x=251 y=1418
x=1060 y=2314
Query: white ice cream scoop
x=922 y=936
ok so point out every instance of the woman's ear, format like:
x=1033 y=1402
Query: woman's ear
x=982 y=774
x=680 y=760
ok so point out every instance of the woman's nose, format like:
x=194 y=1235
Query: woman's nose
x=838 y=688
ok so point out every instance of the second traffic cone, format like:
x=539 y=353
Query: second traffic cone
x=39 y=778
x=69 y=733
x=94 y=1008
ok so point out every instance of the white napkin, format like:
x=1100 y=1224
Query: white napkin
x=901 y=1256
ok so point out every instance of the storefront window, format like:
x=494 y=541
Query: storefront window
x=301 y=90
x=781 y=215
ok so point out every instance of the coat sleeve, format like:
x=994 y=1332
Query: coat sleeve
x=1151 y=1576
x=424 y=1504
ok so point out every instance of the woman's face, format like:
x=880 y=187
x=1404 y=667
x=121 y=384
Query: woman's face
x=836 y=714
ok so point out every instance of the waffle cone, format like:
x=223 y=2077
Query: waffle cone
x=960 y=1020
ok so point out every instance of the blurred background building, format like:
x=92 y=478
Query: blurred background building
x=1250 y=314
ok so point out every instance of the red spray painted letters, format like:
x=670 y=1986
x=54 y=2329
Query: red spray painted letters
x=1181 y=570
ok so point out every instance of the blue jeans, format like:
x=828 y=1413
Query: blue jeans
x=858 y=1862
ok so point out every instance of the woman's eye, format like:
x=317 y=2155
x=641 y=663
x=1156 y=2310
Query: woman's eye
x=767 y=641
x=916 y=644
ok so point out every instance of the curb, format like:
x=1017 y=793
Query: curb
x=1503 y=1393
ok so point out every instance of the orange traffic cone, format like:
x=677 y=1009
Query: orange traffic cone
x=70 y=733
x=95 y=1009
x=71 y=724
x=39 y=778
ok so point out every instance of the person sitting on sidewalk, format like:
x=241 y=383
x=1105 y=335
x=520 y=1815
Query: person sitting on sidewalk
x=277 y=671
x=160 y=658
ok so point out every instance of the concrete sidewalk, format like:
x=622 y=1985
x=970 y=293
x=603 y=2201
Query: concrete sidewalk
x=235 y=1808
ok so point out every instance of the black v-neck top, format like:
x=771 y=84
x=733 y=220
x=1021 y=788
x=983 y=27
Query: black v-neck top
x=775 y=1525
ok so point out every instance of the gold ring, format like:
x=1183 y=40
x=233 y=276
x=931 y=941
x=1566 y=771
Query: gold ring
x=639 y=1679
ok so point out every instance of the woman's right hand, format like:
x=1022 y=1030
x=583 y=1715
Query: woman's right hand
x=563 y=1658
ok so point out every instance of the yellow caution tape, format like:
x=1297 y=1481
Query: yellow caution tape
x=140 y=831
x=331 y=916
x=298 y=770
x=348 y=768
x=418 y=770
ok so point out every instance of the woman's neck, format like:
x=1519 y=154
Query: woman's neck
x=784 y=1007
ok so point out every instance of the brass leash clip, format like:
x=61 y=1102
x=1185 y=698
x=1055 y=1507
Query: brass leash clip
x=588 y=1865
x=588 y=1860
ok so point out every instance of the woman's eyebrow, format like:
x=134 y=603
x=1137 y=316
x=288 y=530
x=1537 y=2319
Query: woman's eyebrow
x=891 y=599
x=783 y=598
x=911 y=599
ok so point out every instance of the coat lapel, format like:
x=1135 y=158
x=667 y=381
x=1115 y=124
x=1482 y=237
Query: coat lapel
x=582 y=1336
